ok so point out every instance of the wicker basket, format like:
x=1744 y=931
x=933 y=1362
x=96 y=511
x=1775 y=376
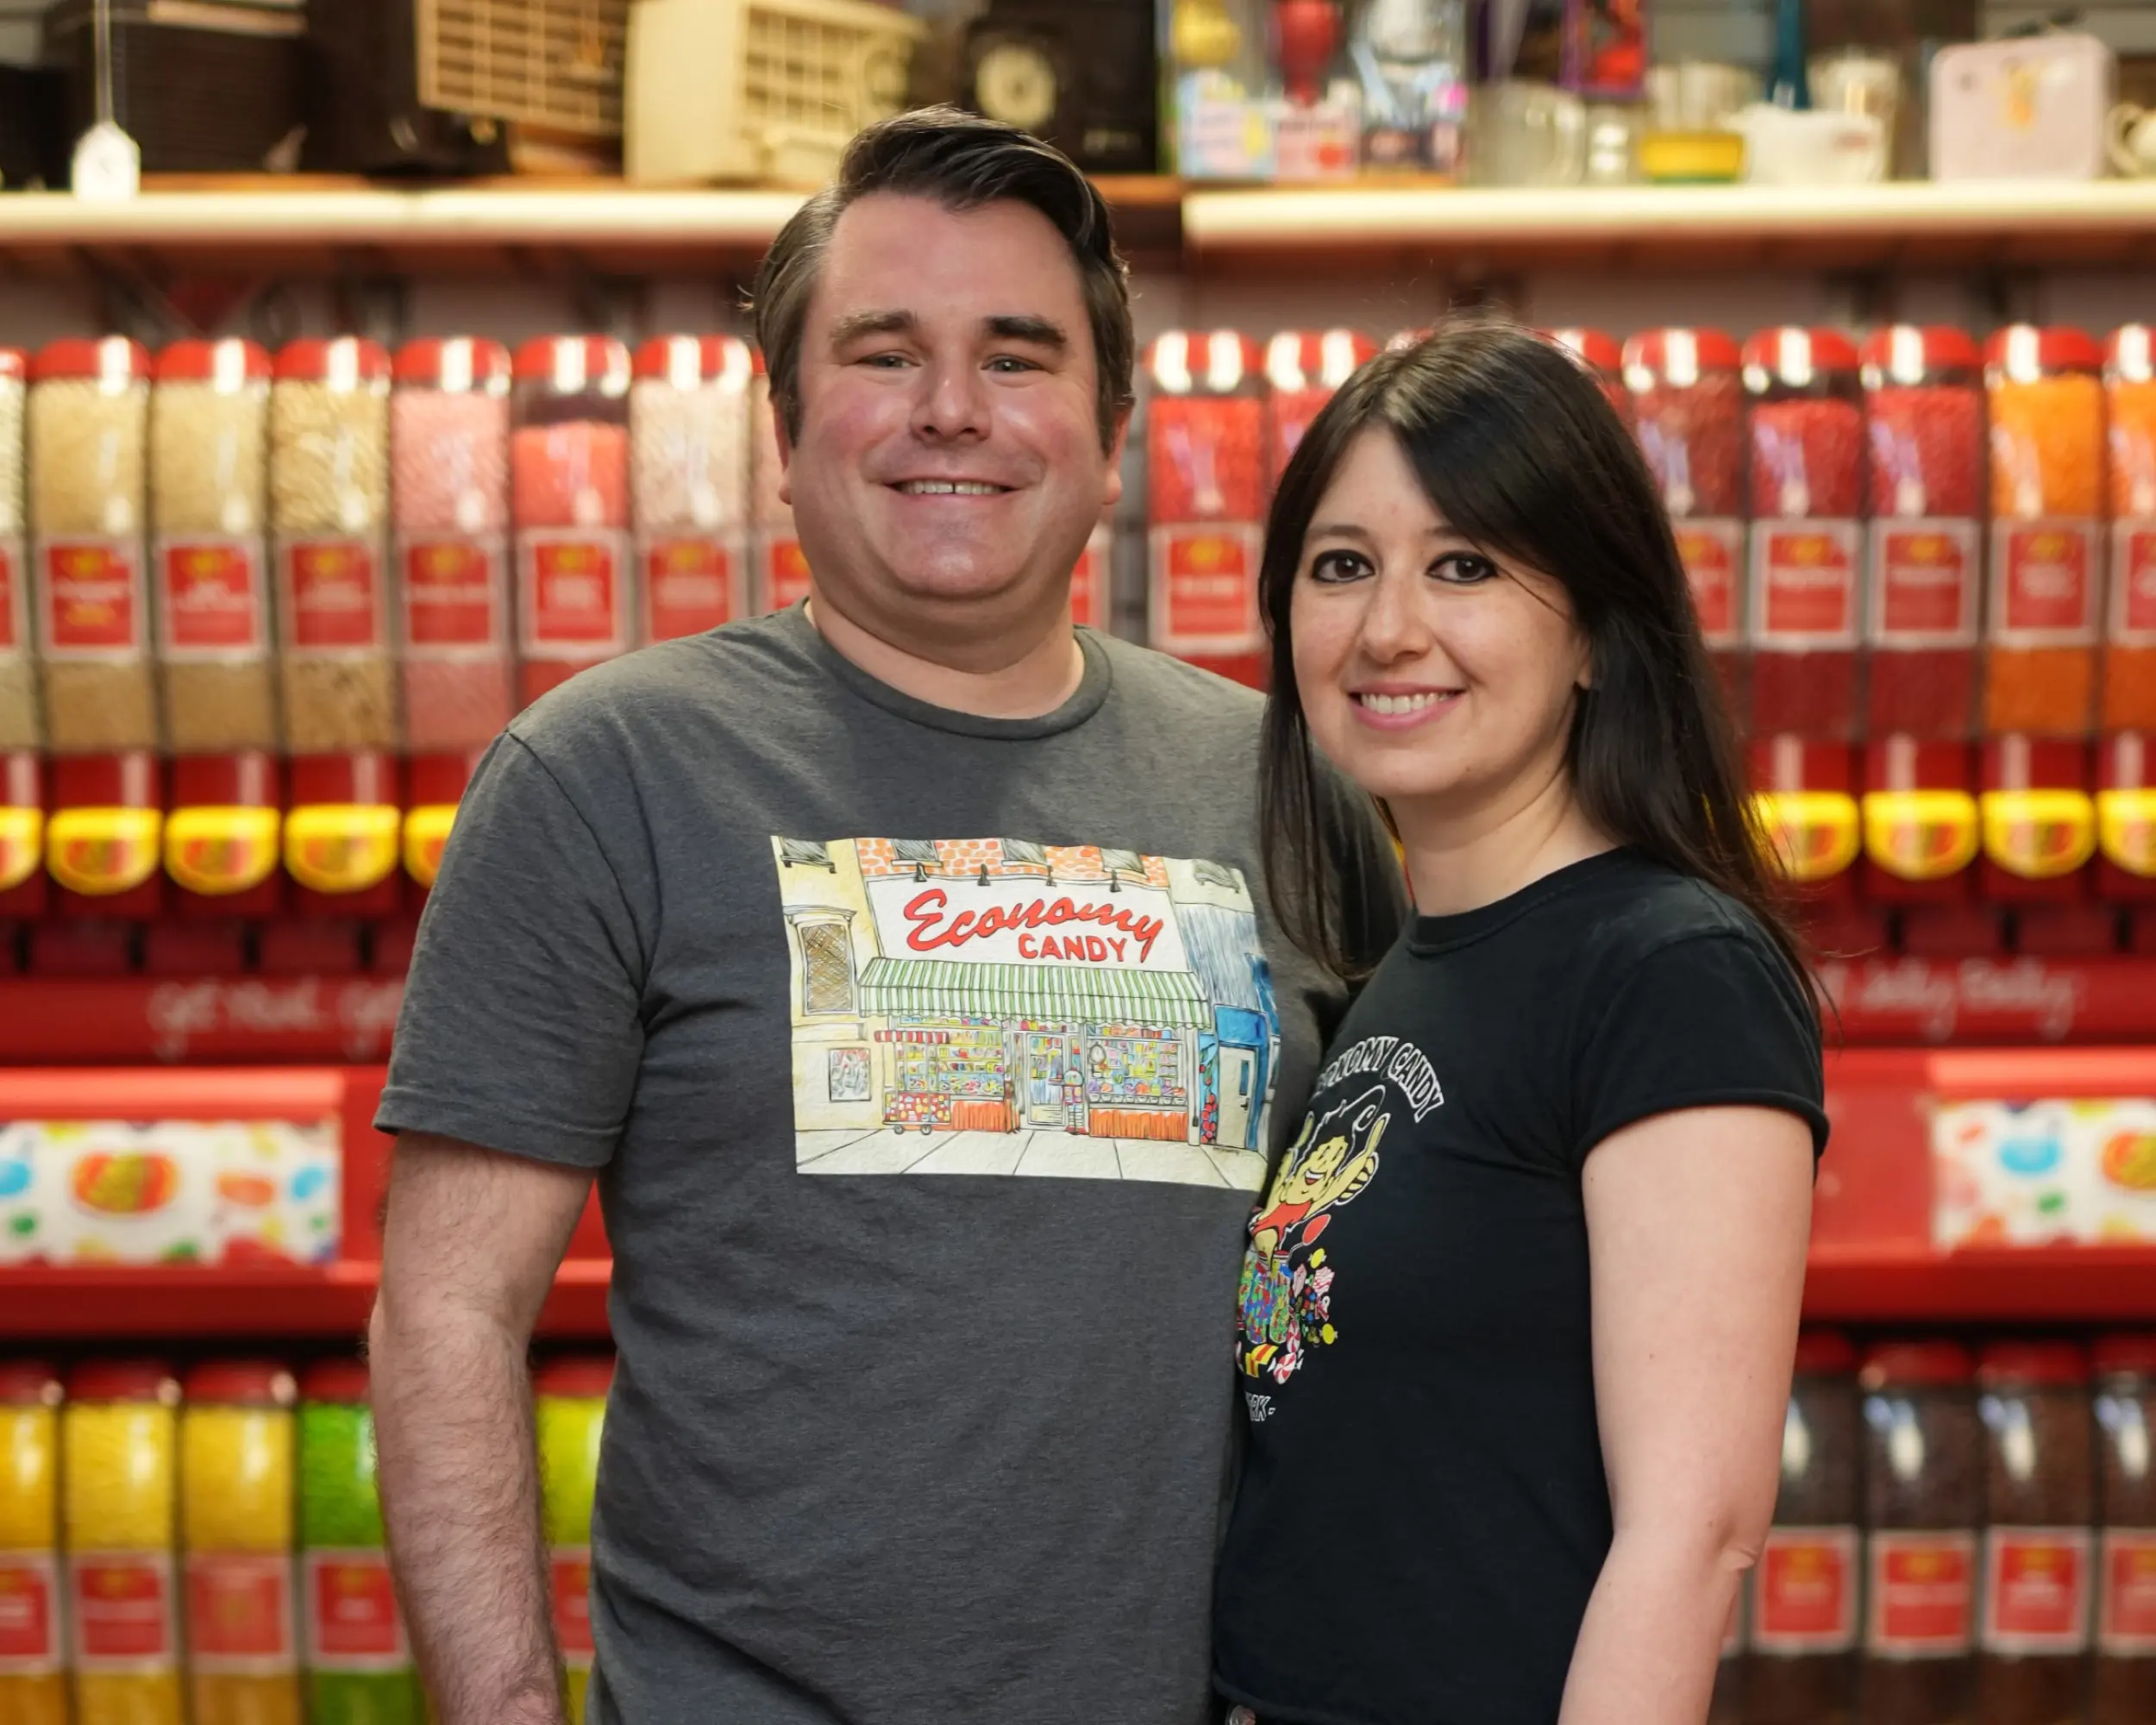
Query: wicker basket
x=758 y=91
x=552 y=64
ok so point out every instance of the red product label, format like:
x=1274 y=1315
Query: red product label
x=1804 y=584
x=332 y=595
x=1714 y=552
x=2134 y=583
x=2125 y=1614
x=2036 y=1589
x=1205 y=588
x=240 y=1613
x=121 y=1605
x=786 y=573
x=1804 y=1591
x=453 y=595
x=569 y=1572
x=2044 y=583
x=29 y=1618
x=353 y=1623
x=1089 y=581
x=1924 y=583
x=689 y=583
x=13 y=634
x=1922 y=1595
x=571 y=592
x=211 y=593
x=92 y=598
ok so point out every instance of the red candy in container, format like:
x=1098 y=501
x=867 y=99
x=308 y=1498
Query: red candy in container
x=569 y=500
x=1206 y=449
x=689 y=417
x=449 y=433
x=1305 y=368
x=1806 y=445
x=1688 y=409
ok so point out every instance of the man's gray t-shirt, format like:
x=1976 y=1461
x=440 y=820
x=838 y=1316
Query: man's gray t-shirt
x=930 y=1064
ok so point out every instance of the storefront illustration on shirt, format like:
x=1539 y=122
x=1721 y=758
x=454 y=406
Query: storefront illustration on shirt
x=1000 y=1007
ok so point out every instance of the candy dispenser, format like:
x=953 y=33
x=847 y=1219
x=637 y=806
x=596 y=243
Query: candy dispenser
x=1304 y=367
x=119 y=1522
x=1206 y=442
x=104 y=838
x=449 y=443
x=780 y=577
x=88 y=416
x=2124 y=1691
x=18 y=675
x=2125 y=753
x=1806 y=794
x=209 y=513
x=1688 y=409
x=569 y=491
x=689 y=423
x=21 y=836
x=1924 y=412
x=1805 y=437
x=222 y=840
x=236 y=1500
x=329 y=513
x=1092 y=578
x=344 y=835
x=1216 y=57
x=1604 y=360
x=2047 y=503
x=33 y=1683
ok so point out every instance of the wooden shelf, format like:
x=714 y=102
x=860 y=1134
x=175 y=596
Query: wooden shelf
x=1721 y=227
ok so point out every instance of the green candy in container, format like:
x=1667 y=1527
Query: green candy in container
x=359 y=1663
x=570 y=1407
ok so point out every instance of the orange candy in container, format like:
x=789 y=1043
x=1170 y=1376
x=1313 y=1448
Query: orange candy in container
x=2126 y=754
x=448 y=439
x=569 y=502
x=1206 y=466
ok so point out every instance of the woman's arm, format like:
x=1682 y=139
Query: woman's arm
x=1697 y=1224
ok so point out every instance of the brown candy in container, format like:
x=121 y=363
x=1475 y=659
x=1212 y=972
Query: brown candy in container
x=569 y=501
x=2125 y=1686
x=88 y=431
x=1805 y=1587
x=18 y=671
x=689 y=414
x=328 y=516
x=2039 y=1508
x=1923 y=1495
x=208 y=514
x=449 y=433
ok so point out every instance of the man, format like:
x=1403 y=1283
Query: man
x=901 y=968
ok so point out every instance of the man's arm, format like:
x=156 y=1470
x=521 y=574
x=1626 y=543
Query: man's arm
x=1696 y=1224
x=469 y=1251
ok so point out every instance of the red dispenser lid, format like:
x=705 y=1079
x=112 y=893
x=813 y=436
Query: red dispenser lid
x=241 y=1383
x=1913 y=1364
x=455 y=365
x=122 y=1380
x=334 y=1380
x=1202 y=361
x=112 y=360
x=343 y=362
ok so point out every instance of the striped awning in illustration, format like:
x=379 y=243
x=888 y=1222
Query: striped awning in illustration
x=1064 y=993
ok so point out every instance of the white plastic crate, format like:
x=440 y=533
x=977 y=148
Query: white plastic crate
x=758 y=91
x=555 y=64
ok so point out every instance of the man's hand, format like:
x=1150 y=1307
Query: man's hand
x=469 y=1251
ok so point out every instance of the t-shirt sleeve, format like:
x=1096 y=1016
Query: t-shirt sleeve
x=1709 y=1020
x=521 y=1028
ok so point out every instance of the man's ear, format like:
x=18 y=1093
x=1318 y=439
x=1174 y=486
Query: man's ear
x=786 y=455
x=1112 y=491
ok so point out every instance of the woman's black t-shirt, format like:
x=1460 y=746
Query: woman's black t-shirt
x=1423 y=1510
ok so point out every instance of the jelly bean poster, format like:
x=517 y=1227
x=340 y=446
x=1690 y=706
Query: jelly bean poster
x=1000 y=1006
x=2039 y=1173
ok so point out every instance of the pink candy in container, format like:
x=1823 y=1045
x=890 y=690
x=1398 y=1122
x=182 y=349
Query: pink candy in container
x=689 y=413
x=449 y=435
x=569 y=503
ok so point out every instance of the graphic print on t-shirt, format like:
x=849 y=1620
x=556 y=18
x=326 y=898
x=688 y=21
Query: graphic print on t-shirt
x=1286 y=1294
x=1002 y=1007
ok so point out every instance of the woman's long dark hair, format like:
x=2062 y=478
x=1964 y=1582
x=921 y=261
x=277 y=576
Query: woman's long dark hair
x=1520 y=453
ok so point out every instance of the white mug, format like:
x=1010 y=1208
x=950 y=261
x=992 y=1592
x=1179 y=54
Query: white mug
x=1524 y=133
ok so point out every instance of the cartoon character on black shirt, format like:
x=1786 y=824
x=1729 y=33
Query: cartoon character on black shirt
x=1286 y=1283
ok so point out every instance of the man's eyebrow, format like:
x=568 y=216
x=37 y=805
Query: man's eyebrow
x=1039 y=332
x=855 y=324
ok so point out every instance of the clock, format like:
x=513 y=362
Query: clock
x=1014 y=81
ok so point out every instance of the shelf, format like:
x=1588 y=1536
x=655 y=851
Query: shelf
x=1359 y=227
x=1913 y=1285
x=234 y=226
x=331 y=1301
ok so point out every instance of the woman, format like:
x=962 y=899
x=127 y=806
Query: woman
x=1520 y=1309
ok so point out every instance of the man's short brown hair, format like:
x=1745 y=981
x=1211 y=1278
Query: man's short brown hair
x=961 y=161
